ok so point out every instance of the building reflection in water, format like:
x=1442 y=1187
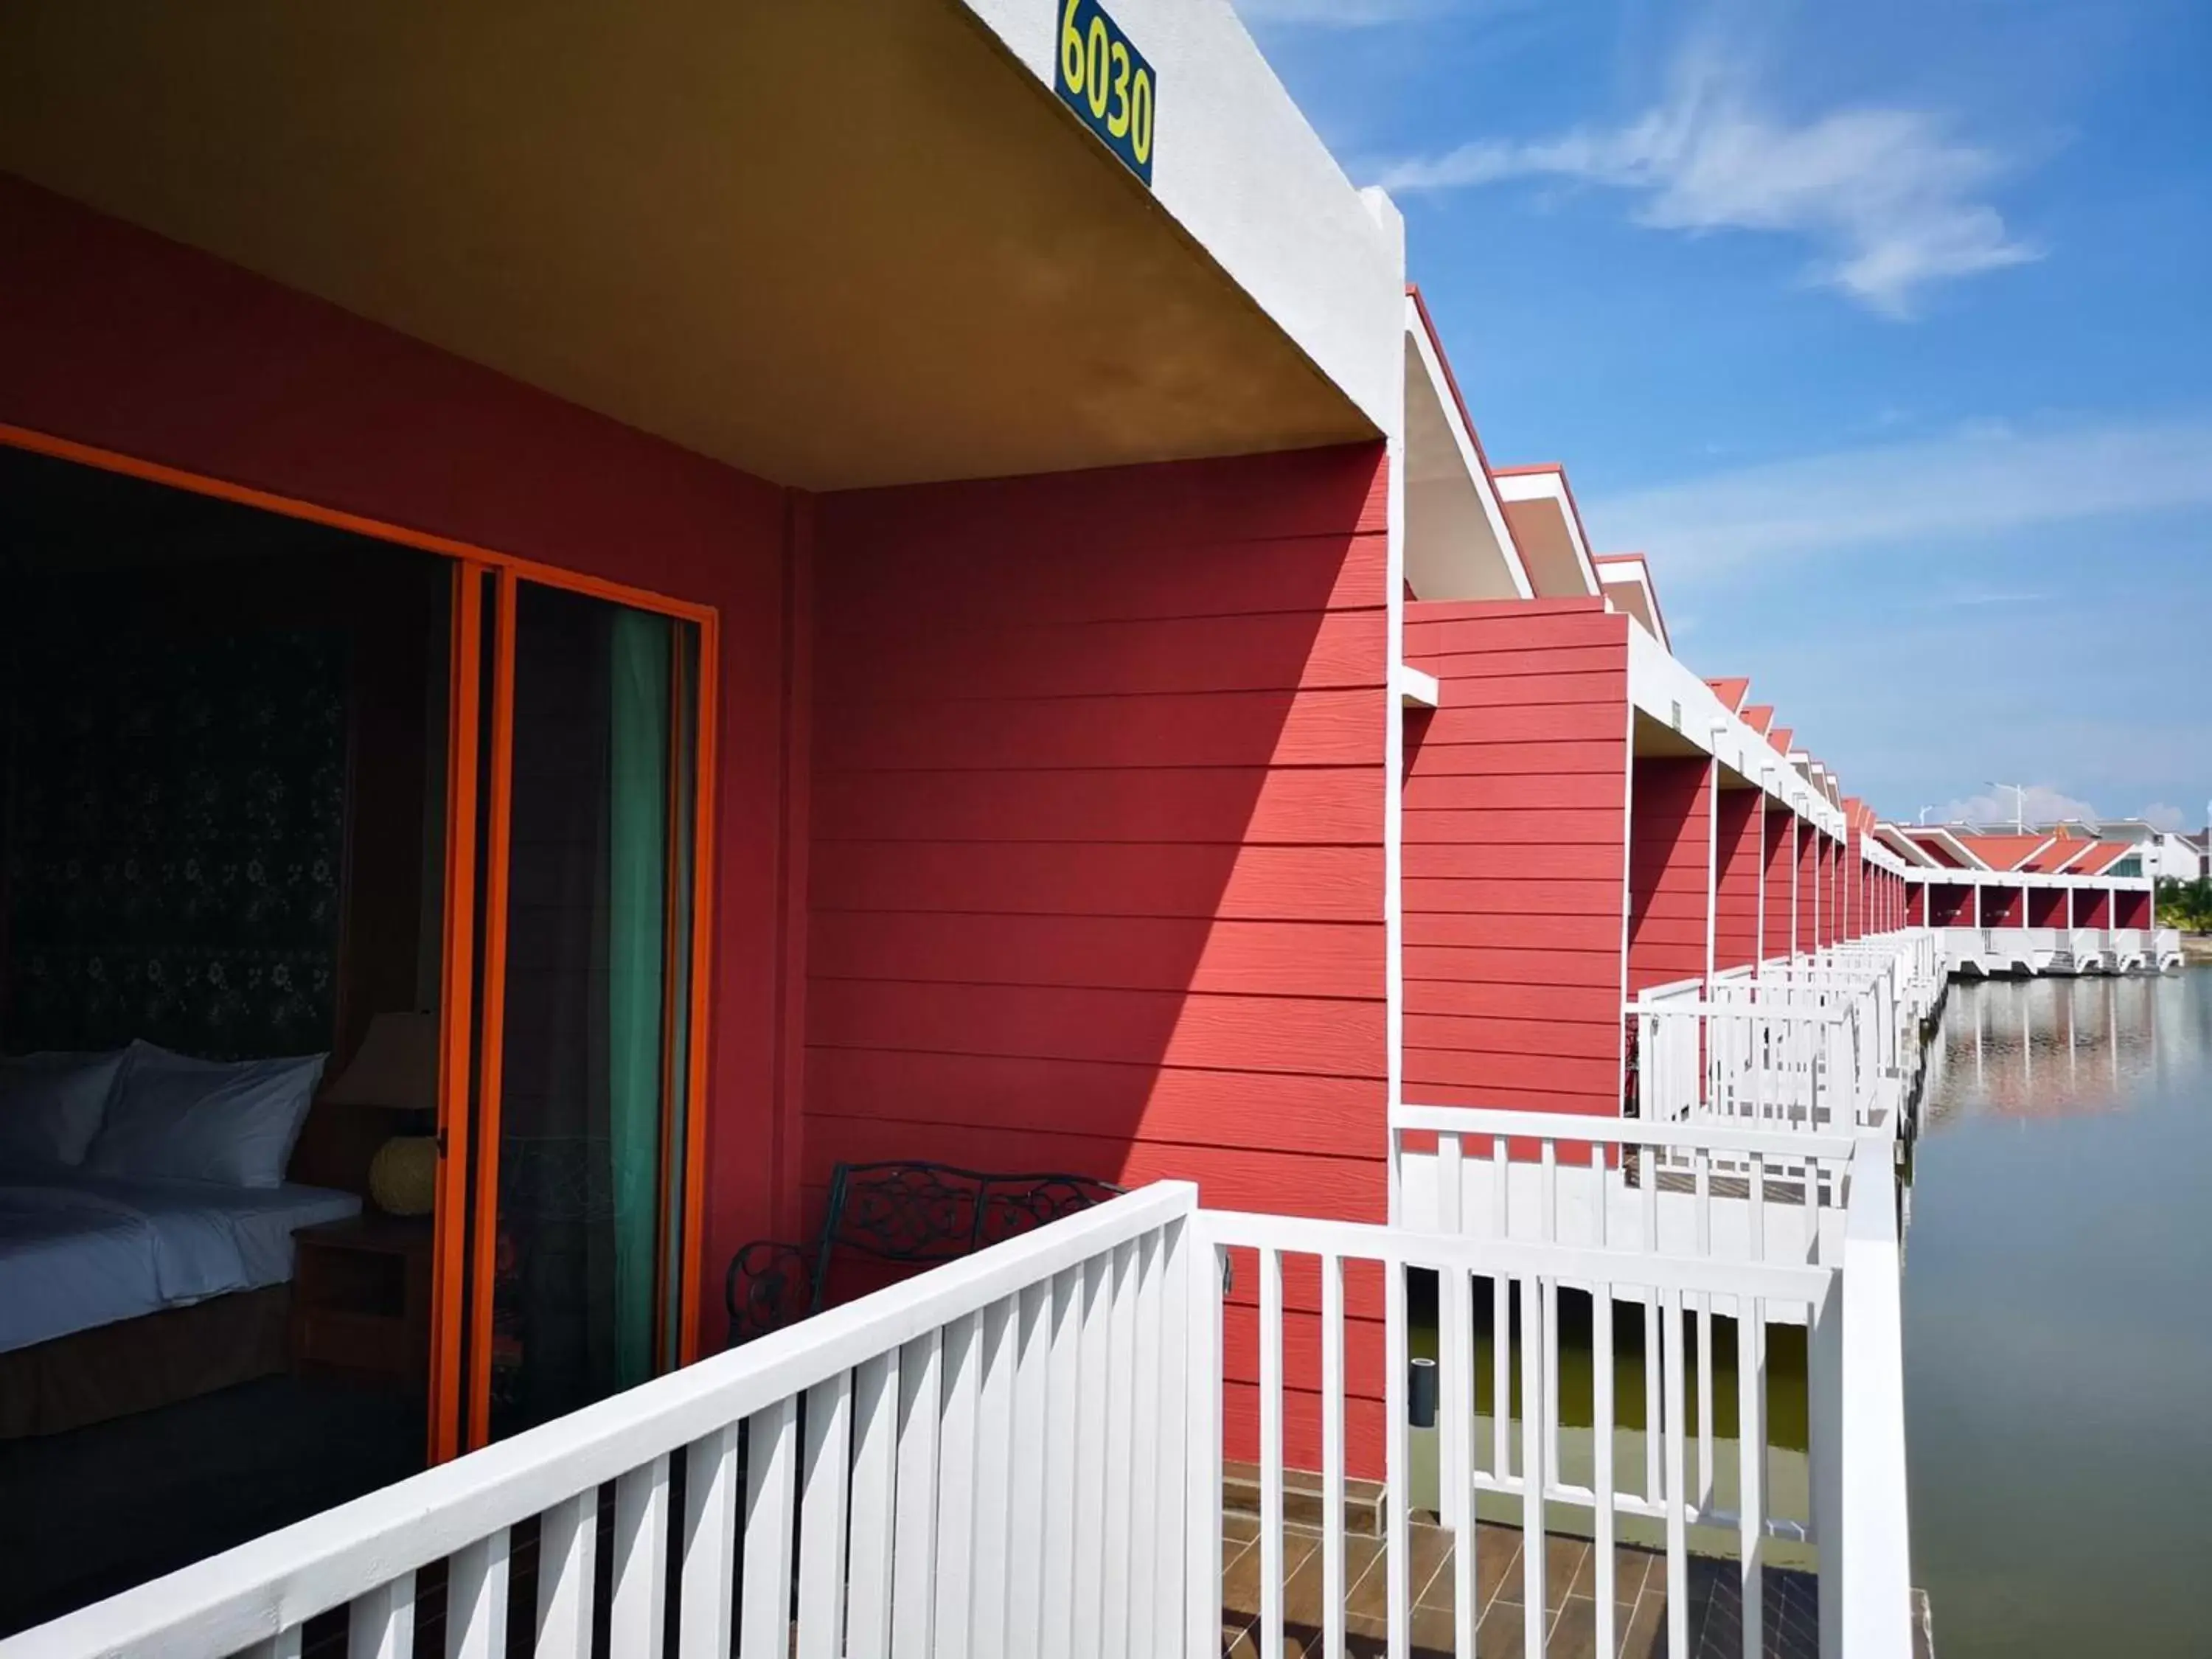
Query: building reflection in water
x=2058 y=1047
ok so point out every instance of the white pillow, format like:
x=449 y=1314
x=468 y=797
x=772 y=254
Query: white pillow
x=175 y=1118
x=50 y=1107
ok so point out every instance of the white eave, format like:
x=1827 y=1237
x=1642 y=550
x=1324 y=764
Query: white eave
x=1904 y=847
x=1663 y=689
x=1547 y=531
x=1238 y=166
x=1458 y=544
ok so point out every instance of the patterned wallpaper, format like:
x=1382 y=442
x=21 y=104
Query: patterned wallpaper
x=177 y=810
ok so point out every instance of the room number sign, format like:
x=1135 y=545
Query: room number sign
x=1105 y=79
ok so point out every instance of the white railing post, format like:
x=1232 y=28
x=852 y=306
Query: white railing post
x=1874 y=1539
x=1824 y=1391
x=1201 y=1569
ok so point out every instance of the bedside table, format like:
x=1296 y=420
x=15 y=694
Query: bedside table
x=360 y=1301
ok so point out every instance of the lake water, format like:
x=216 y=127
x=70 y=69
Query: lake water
x=2058 y=1319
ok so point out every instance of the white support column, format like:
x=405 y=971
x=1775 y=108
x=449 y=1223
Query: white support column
x=1712 y=852
x=1796 y=873
x=1759 y=924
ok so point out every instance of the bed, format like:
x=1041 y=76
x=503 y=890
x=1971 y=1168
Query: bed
x=146 y=1222
x=78 y=1251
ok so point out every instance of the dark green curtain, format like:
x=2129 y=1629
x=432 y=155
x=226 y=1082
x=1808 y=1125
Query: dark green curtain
x=636 y=950
x=580 y=1119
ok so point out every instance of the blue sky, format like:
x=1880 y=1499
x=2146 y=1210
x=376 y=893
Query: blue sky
x=1885 y=329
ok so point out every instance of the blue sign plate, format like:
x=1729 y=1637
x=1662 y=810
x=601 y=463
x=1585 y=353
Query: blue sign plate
x=1105 y=79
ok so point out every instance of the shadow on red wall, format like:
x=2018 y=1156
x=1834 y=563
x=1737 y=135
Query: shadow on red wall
x=1095 y=876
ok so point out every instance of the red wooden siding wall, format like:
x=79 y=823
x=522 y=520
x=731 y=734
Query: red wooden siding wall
x=1916 y=905
x=1781 y=882
x=2046 y=906
x=1515 y=829
x=1097 y=873
x=1739 y=852
x=2005 y=907
x=1670 y=870
x=1809 y=887
x=2093 y=907
x=1097 y=868
x=2131 y=908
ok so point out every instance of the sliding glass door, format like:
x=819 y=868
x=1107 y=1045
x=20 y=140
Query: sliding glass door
x=567 y=1267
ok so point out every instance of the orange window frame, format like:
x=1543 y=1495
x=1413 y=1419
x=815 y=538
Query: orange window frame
x=465 y=768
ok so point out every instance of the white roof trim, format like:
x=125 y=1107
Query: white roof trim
x=1436 y=384
x=1904 y=847
x=1973 y=860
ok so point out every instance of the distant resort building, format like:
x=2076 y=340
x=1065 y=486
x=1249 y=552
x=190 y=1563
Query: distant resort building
x=2068 y=898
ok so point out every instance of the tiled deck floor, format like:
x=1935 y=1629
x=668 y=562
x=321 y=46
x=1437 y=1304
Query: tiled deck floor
x=1639 y=1592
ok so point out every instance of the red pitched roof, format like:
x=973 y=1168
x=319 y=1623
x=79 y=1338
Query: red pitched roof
x=2054 y=857
x=2004 y=852
x=1759 y=717
x=1780 y=738
x=2108 y=853
x=1934 y=843
x=1731 y=693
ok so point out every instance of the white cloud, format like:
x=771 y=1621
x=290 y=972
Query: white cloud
x=1910 y=494
x=1891 y=199
x=1335 y=14
x=2042 y=804
x=2045 y=804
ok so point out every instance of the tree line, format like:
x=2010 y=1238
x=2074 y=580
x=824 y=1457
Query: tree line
x=2186 y=904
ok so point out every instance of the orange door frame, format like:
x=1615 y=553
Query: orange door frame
x=448 y=1435
x=491 y=1026
x=463 y=719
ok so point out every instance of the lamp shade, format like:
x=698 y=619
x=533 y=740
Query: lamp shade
x=396 y=1066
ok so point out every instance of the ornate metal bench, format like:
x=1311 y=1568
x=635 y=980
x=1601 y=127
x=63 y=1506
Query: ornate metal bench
x=904 y=1213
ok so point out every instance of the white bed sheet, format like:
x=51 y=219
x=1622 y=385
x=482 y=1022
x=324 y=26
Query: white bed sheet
x=85 y=1250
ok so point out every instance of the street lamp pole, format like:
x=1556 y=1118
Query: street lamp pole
x=2019 y=802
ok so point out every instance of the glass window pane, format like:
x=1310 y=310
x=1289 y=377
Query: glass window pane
x=585 y=1129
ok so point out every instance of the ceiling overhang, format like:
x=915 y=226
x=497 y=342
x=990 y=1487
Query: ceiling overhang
x=1626 y=580
x=829 y=254
x=1548 y=530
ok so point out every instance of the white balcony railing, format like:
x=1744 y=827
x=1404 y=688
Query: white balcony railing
x=1783 y=1062
x=1700 y=1189
x=1022 y=1454
x=981 y=1460
x=1826 y=1043
x=1524 y=1284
